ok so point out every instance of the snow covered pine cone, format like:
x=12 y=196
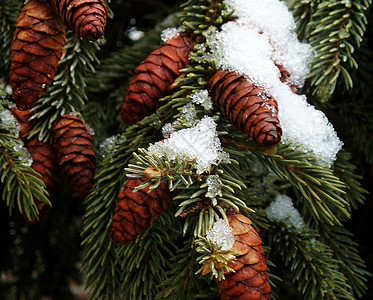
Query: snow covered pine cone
x=75 y=153
x=250 y=281
x=44 y=162
x=87 y=18
x=154 y=78
x=247 y=106
x=137 y=211
x=36 y=50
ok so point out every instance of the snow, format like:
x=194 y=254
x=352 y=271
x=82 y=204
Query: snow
x=214 y=185
x=221 y=234
x=262 y=36
x=167 y=130
x=190 y=114
x=107 y=144
x=203 y=98
x=25 y=156
x=170 y=33
x=282 y=210
x=199 y=142
x=10 y=122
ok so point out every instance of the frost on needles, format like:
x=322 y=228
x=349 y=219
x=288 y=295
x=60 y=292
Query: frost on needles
x=261 y=37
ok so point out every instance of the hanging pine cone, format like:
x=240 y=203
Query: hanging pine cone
x=154 y=78
x=36 y=50
x=137 y=211
x=75 y=153
x=250 y=280
x=23 y=118
x=44 y=162
x=87 y=18
x=247 y=106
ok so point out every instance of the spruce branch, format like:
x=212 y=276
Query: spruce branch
x=303 y=12
x=99 y=260
x=323 y=192
x=346 y=172
x=67 y=93
x=337 y=28
x=181 y=280
x=115 y=70
x=345 y=251
x=143 y=262
x=311 y=263
x=21 y=184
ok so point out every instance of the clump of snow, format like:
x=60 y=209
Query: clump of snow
x=167 y=130
x=200 y=143
x=135 y=34
x=203 y=98
x=190 y=114
x=170 y=33
x=282 y=210
x=221 y=234
x=10 y=122
x=261 y=38
x=214 y=185
x=107 y=144
x=25 y=156
x=276 y=22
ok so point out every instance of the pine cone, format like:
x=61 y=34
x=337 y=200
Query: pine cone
x=137 y=211
x=75 y=153
x=154 y=78
x=45 y=163
x=250 y=281
x=36 y=50
x=85 y=17
x=23 y=118
x=247 y=106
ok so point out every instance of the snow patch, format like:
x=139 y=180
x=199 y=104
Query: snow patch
x=200 y=143
x=221 y=234
x=282 y=210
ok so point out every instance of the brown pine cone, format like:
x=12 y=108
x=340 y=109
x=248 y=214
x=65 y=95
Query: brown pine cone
x=87 y=18
x=75 y=153
x=154 y=78
x=250 y=280
x=45 y=163
x=247 y=106
x=23 y=118
x=137 y=211
x=37 y=48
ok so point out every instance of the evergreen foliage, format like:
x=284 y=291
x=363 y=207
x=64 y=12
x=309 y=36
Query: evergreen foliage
x=321 y=259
